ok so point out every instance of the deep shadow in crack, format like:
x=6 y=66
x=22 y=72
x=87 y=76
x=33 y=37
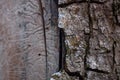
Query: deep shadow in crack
x=61 y=49
x=98 y=71
x=62 y=56
x=63 y=5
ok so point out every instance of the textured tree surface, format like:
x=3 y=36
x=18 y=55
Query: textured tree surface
x=28 y=33
x=78 y=39
x=92 y=39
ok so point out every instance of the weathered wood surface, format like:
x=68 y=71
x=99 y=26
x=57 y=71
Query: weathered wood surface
x=22 y=40
x=29 y=39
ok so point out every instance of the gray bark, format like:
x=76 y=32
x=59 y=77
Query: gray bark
x=78 y=38
x=92 y=39
x=29 y=40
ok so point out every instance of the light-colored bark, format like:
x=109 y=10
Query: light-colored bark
x=22 y=40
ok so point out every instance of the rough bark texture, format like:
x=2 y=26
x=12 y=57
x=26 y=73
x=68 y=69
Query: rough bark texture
x=86 y=46
x=92 y=38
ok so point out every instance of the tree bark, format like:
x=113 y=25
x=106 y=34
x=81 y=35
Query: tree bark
x=79 y=39
x=92 y=39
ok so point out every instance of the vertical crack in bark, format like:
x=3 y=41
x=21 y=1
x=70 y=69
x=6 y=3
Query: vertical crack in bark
x=90 y=20
x=62 y=57
x=62 y=49
x=114 y=12
x=117 y=74
x=114 y=43
x=115 y=7
x=87 y=39
x=44 y=34
x=114 y=61
x=113 y=48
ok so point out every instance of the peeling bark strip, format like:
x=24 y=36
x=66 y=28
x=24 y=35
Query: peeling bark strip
x=52 y=34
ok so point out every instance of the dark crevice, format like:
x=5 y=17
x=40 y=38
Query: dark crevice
x=114 y=61
x=69 y=3
x=98 y=71
x=87 y=39
x=115 y=7
x=63 y=5
x=113 y=48
x=54 y=13
x=62 y=56
x=117 y=74
x=99 y=2
x=56 y=2
x=44 y=34
x=76 y=74
x=90 y=20
x=62 y=49
x=114 y=12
